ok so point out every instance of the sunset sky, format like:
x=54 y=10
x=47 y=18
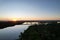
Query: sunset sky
x=30 y=9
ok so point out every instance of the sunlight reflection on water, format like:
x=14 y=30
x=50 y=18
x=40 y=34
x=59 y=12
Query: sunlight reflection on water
x=12 y=33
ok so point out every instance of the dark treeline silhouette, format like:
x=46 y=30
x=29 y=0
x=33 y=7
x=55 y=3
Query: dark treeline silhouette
x=41 y=32
x=4 y=24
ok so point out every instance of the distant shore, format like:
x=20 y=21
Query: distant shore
x=4 y=24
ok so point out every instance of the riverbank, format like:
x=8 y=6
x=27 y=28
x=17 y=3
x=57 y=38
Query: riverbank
x=41 y=32
x=4 y=24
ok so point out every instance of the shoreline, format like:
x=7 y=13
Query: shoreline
x=41 y=32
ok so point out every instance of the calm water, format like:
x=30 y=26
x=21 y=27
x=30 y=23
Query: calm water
x=12 y=33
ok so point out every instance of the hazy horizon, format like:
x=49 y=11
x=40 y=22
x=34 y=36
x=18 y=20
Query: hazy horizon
x=29 y=10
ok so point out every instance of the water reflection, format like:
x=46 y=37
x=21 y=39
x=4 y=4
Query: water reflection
x=12 y=33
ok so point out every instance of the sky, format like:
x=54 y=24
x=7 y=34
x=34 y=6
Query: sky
x=30 y=9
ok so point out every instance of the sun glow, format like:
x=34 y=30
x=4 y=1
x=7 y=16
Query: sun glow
x=14 y=19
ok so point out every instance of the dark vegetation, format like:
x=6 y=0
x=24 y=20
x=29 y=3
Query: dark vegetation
x=4 y=24
x=41 y=32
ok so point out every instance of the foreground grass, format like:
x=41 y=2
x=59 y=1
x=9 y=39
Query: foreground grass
x=41 y=32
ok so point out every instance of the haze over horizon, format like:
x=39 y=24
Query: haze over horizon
x=29 y=9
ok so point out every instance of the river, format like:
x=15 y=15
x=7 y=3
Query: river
x=12 y=33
